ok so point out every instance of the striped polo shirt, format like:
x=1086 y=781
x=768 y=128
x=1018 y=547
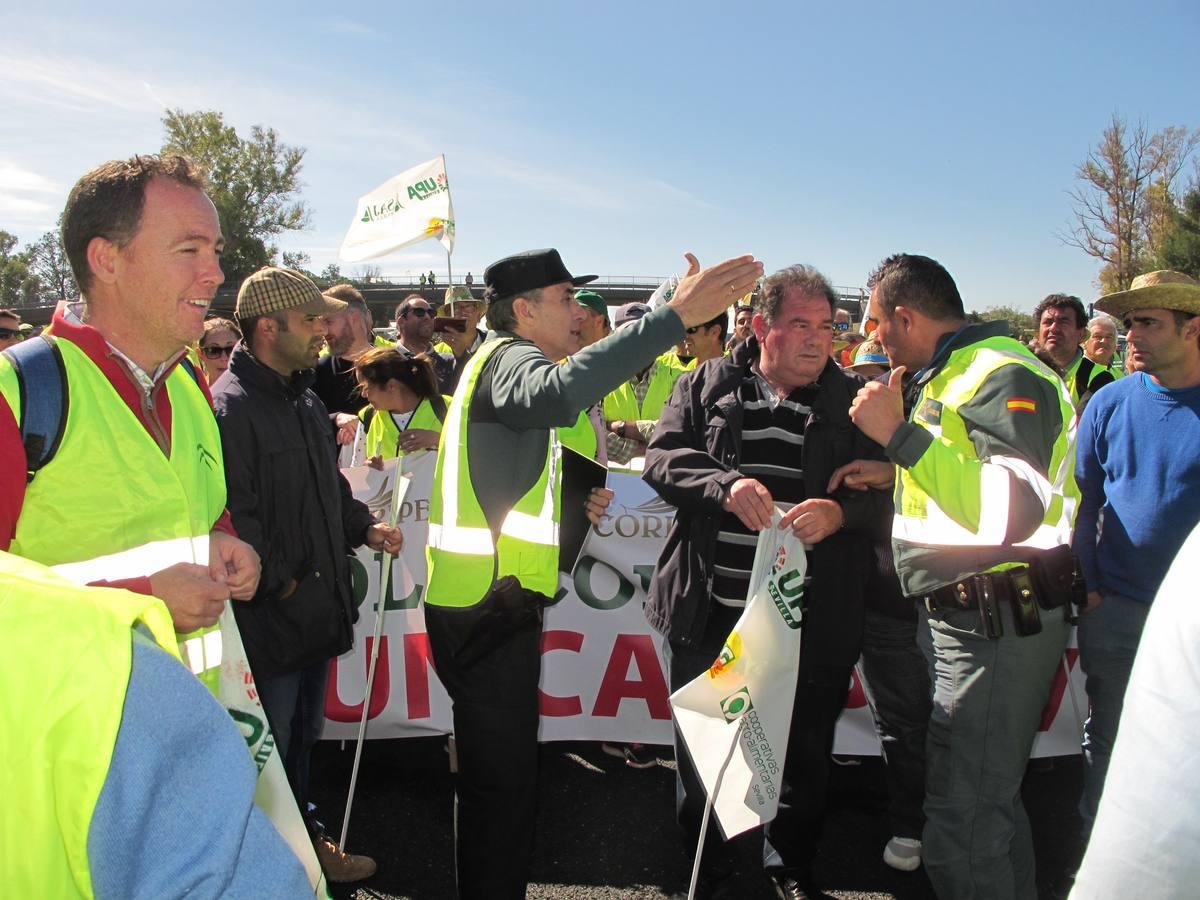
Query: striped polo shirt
x=772 y=447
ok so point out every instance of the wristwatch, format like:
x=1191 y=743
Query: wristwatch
x=619 y=427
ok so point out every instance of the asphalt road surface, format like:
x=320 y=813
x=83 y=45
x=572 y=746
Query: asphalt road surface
x=606 y=830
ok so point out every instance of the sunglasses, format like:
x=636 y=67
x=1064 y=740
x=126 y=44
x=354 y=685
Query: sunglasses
x=216 y=352
x=841 y=326
x=7 y=334
x=419 y=311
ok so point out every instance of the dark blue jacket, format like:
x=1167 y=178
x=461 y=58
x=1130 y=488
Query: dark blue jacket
x=289 y=501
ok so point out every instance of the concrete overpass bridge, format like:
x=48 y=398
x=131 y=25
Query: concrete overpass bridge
x=384 y=294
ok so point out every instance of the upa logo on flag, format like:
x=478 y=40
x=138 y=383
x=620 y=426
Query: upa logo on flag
x=737 y=704
x=787 y=590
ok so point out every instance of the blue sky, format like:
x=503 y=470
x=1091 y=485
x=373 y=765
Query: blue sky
x=626 y=133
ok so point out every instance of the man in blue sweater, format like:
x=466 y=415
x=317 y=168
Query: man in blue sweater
x=1138 y=471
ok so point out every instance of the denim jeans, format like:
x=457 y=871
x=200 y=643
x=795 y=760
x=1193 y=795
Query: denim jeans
x=1108 y=641
x=897 y=683
x=295 y=707
x=988 y=695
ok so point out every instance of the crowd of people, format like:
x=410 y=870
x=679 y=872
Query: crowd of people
x=962 y=497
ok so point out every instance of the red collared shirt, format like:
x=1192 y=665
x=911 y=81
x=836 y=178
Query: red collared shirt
x=153 y=410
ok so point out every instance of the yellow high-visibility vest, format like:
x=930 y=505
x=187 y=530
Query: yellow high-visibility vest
x=110 y=505
x=464 y=557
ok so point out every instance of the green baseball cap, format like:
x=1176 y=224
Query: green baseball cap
x=592 y=301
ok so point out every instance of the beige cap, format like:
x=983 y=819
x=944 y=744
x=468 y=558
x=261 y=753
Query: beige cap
x=272 y=289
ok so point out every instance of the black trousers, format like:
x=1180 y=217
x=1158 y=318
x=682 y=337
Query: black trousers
x=495 y=728
x=789 y=842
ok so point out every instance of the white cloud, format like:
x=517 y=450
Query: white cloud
x=70 y=84
x=21 y=206
x=15 y=178
x=588 y=194
x=678 y=194
x=346 y=26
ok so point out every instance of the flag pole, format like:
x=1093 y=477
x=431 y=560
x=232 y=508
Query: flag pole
x=708 y=805
x=399 y=489
x=449 y=274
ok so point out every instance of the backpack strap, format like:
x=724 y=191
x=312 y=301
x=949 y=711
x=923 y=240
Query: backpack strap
x=42 y=382
x=1083 y=375
x=190 y=368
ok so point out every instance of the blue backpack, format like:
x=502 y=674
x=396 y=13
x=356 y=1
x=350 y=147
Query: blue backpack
x=42 y=386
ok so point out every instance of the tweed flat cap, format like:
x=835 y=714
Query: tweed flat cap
x=272 y=289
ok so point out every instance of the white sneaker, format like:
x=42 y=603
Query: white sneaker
x=903 y=853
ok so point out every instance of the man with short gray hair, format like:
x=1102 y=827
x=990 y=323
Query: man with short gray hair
x=493 y=530
x=1101 y=343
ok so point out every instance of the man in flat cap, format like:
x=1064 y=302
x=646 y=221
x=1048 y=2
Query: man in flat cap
x=288 y=499
x=1139 y=479
x=493 y=529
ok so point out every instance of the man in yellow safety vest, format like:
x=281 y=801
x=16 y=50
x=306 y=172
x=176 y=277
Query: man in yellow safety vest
x=128 y=488
x=493 y=529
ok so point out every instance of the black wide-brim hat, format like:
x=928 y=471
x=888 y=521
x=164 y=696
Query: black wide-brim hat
x=528 y=271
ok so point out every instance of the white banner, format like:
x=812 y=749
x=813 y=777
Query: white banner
x=273 y=795
x=412 y=207
x=746 y=696
x=603 y=678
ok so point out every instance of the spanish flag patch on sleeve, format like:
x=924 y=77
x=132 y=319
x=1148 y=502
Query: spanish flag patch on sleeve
x=1024 y=403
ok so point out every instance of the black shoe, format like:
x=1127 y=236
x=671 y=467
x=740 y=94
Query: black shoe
x=788 y=888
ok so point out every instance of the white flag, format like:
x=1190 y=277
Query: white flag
x=273 y=795
x=412 y=207
x=746 y=696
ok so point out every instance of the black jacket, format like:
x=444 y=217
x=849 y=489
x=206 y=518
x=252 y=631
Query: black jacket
x=692 y=462
x=289 y=501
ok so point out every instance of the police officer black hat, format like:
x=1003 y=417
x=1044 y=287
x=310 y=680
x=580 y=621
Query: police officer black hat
x=528 y=271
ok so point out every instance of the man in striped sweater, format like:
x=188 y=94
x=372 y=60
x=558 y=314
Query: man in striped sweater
x=767 y=426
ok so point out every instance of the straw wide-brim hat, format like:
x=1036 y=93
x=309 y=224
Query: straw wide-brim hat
x=1163 y=289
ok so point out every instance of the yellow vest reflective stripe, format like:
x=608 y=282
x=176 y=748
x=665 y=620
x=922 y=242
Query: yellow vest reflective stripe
x=464 y=558
x=383 y=435
x=622 y=405
x=110 y=505
x=920 y=520
x=64 y=690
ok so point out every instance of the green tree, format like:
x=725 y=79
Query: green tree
x=1019 y=322
x=298 y=260
x=1124 y=198
x=48 y=262
x=18 y=285
x=253 y=183
x=1181 y=246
